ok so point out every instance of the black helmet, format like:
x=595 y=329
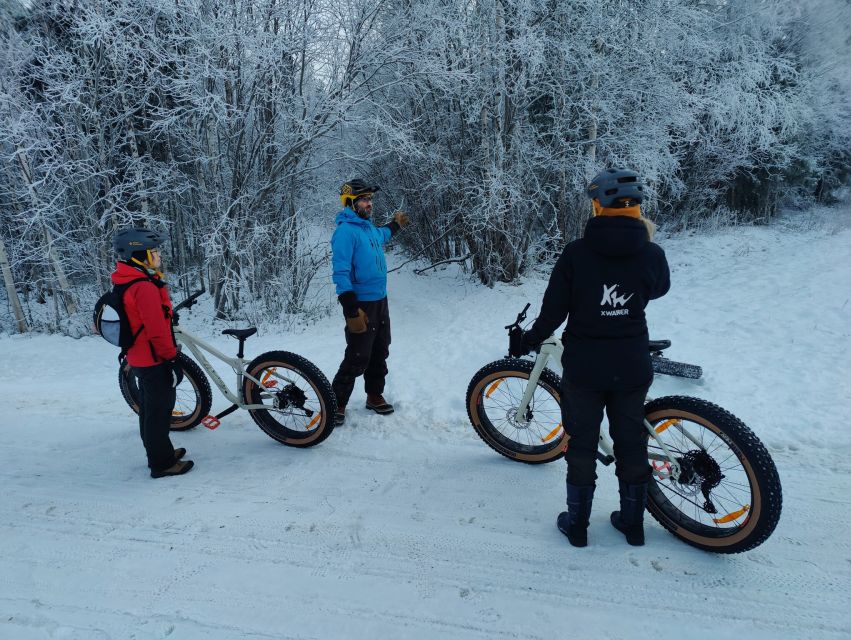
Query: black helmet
x=612 y=185
x=351 y=190
x=131 y=239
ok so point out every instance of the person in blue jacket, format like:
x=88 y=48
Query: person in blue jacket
x=360 y=275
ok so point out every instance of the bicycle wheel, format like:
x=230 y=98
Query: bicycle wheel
x=300 y=399
x=728 y=497
x=193 y=396
x=493 y=396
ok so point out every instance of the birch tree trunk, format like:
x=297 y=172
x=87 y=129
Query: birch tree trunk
x=12 y=294
x=58 y=269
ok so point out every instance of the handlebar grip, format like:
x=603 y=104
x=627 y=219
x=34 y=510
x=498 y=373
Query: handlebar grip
x=187 y=304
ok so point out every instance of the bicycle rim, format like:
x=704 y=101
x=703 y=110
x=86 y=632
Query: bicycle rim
x=299 y=399
x=728 y=497
x=494 y=400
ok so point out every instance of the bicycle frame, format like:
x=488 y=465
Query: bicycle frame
x=553 y=348
x=197 y=346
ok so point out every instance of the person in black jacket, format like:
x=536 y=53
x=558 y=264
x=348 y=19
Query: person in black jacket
x=601 y=284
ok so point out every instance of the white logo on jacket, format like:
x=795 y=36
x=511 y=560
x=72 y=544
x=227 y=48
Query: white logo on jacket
x=611 y=298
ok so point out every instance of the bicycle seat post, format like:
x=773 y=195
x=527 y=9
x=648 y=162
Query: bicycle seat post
x=242 y=335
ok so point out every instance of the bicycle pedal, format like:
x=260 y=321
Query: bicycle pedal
x=211 y=422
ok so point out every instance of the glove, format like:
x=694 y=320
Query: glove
x=356 y=319
x=521 y=342
x=176 y=372
x=515 y=342
x=401 y=218
x=350 y=303
x=175 y=318
x=529 y=342
x=358 y=324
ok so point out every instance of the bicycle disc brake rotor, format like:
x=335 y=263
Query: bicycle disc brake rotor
x=699 y=470
x=511 y=416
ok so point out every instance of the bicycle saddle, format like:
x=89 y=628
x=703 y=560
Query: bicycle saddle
x=240 y=334
x=659 y=345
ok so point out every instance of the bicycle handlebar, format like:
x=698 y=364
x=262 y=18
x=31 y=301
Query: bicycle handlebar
x=520 y=317
x=191 y=300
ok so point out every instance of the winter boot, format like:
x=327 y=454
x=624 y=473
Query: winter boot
x=177 y=469
x=339 y=418
x=378 y=404
x=630 y=519
x=574 y=522
x=179 y=453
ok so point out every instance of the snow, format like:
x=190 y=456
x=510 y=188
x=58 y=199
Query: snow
x=408 y=526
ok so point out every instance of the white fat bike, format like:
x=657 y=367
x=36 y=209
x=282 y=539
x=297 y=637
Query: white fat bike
x=714 y=484
x=286 y=395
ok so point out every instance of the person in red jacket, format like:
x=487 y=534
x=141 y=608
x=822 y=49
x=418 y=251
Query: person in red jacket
x=153 y=355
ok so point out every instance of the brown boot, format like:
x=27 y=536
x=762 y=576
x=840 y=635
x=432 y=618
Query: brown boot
x=179 y=453
x=378 y=404
x=177 y=469
x=339 y=417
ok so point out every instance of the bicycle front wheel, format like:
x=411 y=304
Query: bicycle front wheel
x=300 y=401
x=193 y=396
x=727 y=498
x=493 y=397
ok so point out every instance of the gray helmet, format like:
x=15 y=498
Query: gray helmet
x=611 y=185
x=131 y=239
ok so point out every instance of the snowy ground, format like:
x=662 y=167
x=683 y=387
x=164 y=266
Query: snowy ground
x=409 y=526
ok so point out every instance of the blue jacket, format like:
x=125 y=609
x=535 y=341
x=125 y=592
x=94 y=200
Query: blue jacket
x=357 y=256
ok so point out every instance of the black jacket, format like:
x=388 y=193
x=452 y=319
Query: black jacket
x=602 y=283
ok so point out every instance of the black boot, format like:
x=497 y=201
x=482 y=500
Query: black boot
x=574 y=522
x=630 y=519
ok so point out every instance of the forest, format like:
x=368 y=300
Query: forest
x=230 y=125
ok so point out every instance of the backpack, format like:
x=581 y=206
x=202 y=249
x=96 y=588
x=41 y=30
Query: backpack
x=110 y=318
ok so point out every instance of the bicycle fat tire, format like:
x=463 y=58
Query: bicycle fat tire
x=487 y=376
x=191 y=373
x=766 y=492
x=318 y=383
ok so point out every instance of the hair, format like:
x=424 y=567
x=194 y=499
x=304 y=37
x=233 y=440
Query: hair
x=650 y=226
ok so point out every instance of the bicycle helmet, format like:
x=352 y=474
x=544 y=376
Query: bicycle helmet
x=353 y=189
x=131 y=239
x=616 y=188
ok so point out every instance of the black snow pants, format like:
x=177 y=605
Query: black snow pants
x=366 y=354
x=156 y=402
x=582 y=415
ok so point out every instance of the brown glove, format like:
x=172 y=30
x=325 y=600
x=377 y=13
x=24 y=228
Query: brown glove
x=358 y=323
x=401 y=218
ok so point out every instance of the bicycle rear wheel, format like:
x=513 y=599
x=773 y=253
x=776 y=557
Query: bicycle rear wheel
x=301 y=403
x=493 y=397
x=193 y=396
x=728 y=497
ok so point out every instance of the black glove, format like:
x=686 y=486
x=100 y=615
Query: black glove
x=515 y=342
x=350 y=303
x=521 y=342
x=176 y=372
x=175 y=318
x=530 y=342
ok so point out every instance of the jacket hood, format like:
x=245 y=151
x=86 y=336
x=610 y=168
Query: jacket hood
x=616 y=235
x=347 y=215
x=124 y=273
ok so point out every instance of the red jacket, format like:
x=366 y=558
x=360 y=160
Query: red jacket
x=147 y=306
